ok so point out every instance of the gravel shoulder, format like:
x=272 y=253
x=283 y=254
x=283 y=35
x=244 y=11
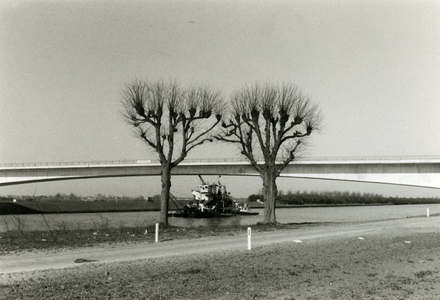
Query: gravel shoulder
x=396 y=259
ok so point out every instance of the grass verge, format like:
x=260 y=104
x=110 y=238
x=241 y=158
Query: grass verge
x=27 y=240
x=381 y=266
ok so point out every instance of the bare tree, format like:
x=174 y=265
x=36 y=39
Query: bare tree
x=269 y=123
x=172 y=121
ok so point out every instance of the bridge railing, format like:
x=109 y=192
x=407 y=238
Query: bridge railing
x=112 y=162
x=218 y=160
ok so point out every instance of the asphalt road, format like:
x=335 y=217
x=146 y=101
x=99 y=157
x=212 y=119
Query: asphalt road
x=28 y=262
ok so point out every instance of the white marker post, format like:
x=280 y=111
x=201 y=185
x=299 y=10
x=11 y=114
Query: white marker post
x=427 y=212
x=249 y=232
x=157 y=233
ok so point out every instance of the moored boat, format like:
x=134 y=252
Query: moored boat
x=245 y=211
x=211 y=200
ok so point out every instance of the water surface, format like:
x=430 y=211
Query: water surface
x=98 y=221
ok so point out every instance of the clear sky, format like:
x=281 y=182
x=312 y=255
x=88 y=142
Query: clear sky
x=372 y=66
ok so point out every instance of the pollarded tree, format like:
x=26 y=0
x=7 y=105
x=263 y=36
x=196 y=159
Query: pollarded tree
x=172 y=121
x=269 y=124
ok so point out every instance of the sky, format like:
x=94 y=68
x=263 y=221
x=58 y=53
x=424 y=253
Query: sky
x=373 y=67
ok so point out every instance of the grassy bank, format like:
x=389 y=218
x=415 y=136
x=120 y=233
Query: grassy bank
x=392 y=265
x=28 y=240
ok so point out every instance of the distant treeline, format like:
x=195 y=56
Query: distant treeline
x=72 y=203
x=72 y=196
x=341 y=198
x=75 y=206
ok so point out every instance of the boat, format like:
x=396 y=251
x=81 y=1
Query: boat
x=211 y=200
x=246 y=212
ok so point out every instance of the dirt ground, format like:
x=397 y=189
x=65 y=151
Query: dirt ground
x=402 y=264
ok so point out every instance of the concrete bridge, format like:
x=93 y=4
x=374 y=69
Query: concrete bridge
x=421 y=172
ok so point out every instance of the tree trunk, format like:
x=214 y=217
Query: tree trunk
x=165 y=195
x=270 y=191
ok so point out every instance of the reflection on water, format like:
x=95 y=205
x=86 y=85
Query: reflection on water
x=284 y=215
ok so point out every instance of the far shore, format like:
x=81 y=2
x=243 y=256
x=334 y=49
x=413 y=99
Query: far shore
x=77 y=206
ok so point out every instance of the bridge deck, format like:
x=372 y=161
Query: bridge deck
x=424 y=172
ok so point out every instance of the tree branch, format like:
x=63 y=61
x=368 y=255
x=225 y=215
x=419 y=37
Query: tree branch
x=290 y=158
